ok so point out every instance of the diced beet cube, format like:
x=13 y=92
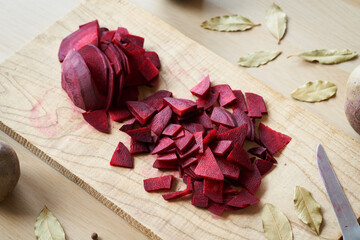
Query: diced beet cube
x=193 y=127
x=191 y=151
x=226 y=94
x=251 y=180
x=98 y=119
x=243 y=200
x=256 y=105
x=239 y=103
x=229 y=169
x=242 y=118
x=137 y=147
x=139 y=41
x=221 y=147
x=208 y=167
x=201 y=88
x=222 y=116
x=184 y=142
x=148 y=70
x=175 y=195
x=237 y=135
x=216 y=208
x=263 y=165
x=172 y=129
x=122 y=157
x=158 y=183
x=127 y=126
x=222 y=129
x=167 y=157
x=156 y=100
x=119 y=115
x=180 y=134
x=240 y=156
x=187 y=161
x=198 y=198
x=208 y=100
x=274 y=141
x=204 y=120
x=165 y=164
x=154 y=58
x=199 y=141
x=209 y=138
x=141 y=134
x=180 y=106
x=213 y=190
x=164 y=144
x=160 y=120
x=141 y=111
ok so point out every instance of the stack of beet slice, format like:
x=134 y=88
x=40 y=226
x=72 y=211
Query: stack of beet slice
x=102 y=69
x=204 y=142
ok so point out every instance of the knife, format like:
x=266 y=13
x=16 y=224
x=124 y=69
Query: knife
x=344 y=213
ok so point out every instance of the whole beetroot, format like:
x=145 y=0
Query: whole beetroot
x=352 y=102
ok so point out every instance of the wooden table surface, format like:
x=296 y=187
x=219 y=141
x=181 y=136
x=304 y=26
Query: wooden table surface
x=311 y=25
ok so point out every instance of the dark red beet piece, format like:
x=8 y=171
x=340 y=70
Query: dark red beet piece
x=164 y=144
x=122 y=157
x=113 y=55
x=137 y=147
x=165 y=164
x=221 y=147
x=158 y=183
x=198 y=198
x=239 y=103
x=199 y=141
x=240 y=156
x=229 y=169
x=180 y=106
x=172 y=129
x=226 y=94
x=213 y=190
x=256 y=105
x=139 y=41
x=193 y=127
x=222 y=129
x=270 y=158
x=237 y=135
x=201 y=88
x=148 y=70
x=274 y=141
x=107 y=36
x=243 y=200
x=102 y=31
x=216 y=208
x=141 y=134
x=160 y=120
x=208 y=100
x=242 y=118
x=156 y=100
x=209 y=138
x=258 y=151
x=208 y=167
x=129 y=125
x=187 y=161
x=120 y=114
x=228 y=189
x=222 y=116
x=184 y=142
x=176 y=195
x=111 y=85
x=263 y=165
x=119 y=33
x=98 y=119
x=191 y=151
x=179 y=134
x=251 y=180
x=141 y=111
x=154 y=58
x=204 y=120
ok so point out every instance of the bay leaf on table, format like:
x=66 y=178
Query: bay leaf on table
x=314 y=91
x=256 y=59
x=226 y=23
x=307 y=209
x=275 y=224
x=275 y=20
x=328 y=56
x=47 y=227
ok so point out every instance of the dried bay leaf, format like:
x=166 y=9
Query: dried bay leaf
x=275 y=20
x=328 y=56
x=256 y=59
x=47 y=227
x=307 y=209
x=275 y=224
x=314 y=91
x=232 y=23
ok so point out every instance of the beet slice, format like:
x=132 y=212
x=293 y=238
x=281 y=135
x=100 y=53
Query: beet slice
x=237 y=135
x=251 y=180
x=137 y=147
x=187 y=161
x=243 y=200
x=208 y=167
x=274 y=141
x=113 y=55
x=209 y=138
x=202 y=88
x=242 y=118
x=208 y=101
x=111 y=85
x=87 y=33
x=154 y=58
x=139 y=41
x=176 y=195
x=229 y=169
x=213 y=190
x=198 y=197
x=107 y=36
x=240 y=156
x=221 y=147
x=158 y=183
x=191 y=151
x=102 y=31
x=258 y=151
x=148 y=70
x=179 y=135
x=141 y=134
x=121 y=31
x=199 y=140
x=263 y=165
x=165 y=164
x=98 y=119
x=164 y=144
x=161 y=120
x=222 y=116
x=120 y=114
x=204 y=120
x=239 y=103
x=167 y=157
x=193 y=127
x=172 y=129
x=141 y=111
x=156 y=100
x=122 y=157
x=180 y=106
x=256 y=105
x=185 y=141
x=222 y=129
x=129 y=125
x=226 y=94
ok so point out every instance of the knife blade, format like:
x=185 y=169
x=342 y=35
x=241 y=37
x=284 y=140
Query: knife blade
x=344 y=213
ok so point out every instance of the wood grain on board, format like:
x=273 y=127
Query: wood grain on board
x=33 y=105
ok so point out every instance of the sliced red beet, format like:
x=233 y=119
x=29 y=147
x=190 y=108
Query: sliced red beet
x=274 y=141
x=113 y=55
x=213 y=190
x=122 y=157
x=154 y=58
x=160 y=120
x=148 y=70
x=202 y=88
x=204 y=120
x=239 y=103
x=208 y=101
x=258 y=151
x=172 y=129
x=156 y=100
x=256 y=105
x=139 y=41
x=222 y=129
x=98 y=119
x=141 y=111
x=226 y=94
x=165 y=164
x=251 y=180
x=228 y=189
x=190 y=152
x=167 y=157
x=240 y=156
x=107 y=36
x=243 y=200
x=193 y=127
x=87 y=33
x=242 y=118
x=198 y=198
x=176 y=195
x=111 y=85
x=121 y=31
x=263 y=165
x=137 y=147
x=208 y=167
x=270 y=158
x=119 y=114
x=209 y=138
x=222 y=116
x=129 y=125
x=216 y=208
x=184 y=142
x=180 y=106
x=158 y=183
x=102 y=31
x=221 y=147
x=187 y=162
x=180 y=134
x=237 y=135
x=141 y=134
x=164 y=144
x=199 y=140
x=229 y=169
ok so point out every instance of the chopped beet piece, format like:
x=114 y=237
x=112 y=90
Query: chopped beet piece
x=221 y=147
x=222 y=129
x=240 y=156
x=263 y=165
x=213 y=190
x=141 y=134
x=180 y=134
x=113 y=55
x=198 y=198
x=270 y=158
x=120 y=114
x=175 y=195
x=189 y=115
x=228 y=169
x=239 y=103
x=102 y=31
x=208 y=100
x=226 y=94
x=201 y=88
x=193 y=127
x=237 y=135
x=98 y=119
x=164 y=144
x=160 y=120
x=192 y=151
x=189 y=183
x=251 y=180
x=139 y=41
x=210 y=137
x=189 y=172
x=216 y=208
x=111 y=85
x=187 y=161
x=165 y=164
x=208 y=167
x=243 y=200
x=107 y=36
x=167 y=157
x=156 y=100
x=258 y=151
x=204 y=120
x=129 y=125
x=137 y=147
x=199 y=141
x=141 y=111
x=222 y=116
x=272 y=140
x=158 y=183
x=242 y=118
x=148 y=70
x=122 y=157
x=228 y=189
x=183 y=143
x=154 y=58
x=172 y=129
x=130 y=94
x=180 y=106
x=119 y=33
x=256 y=105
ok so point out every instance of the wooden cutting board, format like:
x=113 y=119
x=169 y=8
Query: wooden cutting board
x=35 y=111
